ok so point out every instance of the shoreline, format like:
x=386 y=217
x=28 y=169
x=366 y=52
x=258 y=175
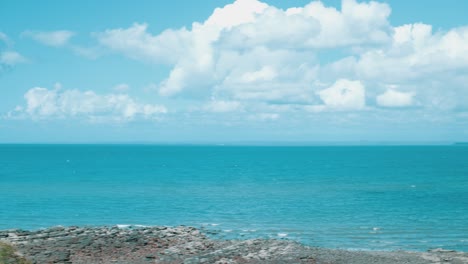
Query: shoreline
x=182 y=244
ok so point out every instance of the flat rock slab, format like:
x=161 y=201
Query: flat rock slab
x=130 y=244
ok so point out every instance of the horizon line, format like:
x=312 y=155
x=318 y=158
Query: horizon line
x=248 y=143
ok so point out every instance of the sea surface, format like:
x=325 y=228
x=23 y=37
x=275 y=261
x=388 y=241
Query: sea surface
x=352 y=197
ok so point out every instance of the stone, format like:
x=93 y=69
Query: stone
x=441 y=250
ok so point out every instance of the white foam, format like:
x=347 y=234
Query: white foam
x=282 y=234
x=209 y=224
x=130 y=226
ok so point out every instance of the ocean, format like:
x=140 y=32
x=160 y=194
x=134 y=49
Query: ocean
x=350 y=197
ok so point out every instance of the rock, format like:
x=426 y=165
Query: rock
x=12 y=235
x=62 y=256
x=55 y=229
x=440 y=250
x=139 y=245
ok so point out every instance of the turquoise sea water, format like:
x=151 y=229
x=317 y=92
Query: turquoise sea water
x=366 y=197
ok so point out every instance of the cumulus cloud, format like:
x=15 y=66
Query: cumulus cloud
x=415 y=52
x=250 y=42
x=305 y=57
x=344 y=95
x=43 y=103
x=220 y=106
x=50 y=38
x=264 y=74
x=393 y=98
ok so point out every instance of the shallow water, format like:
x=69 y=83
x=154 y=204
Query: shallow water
x=371 y=197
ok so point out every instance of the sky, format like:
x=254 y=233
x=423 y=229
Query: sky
x=223 y=71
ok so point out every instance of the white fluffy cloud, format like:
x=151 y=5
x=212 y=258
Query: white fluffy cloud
x=43 y=103
x=220 y=106
x=314 y=26
x=50 y=38
x=344 y=95
x=249 y=56
x=416 y=52
x=393 y=98
x=250 y=50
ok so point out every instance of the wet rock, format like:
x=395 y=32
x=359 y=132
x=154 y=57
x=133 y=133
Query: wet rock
x=86 y=245
x=440 y=250
x=60 y=257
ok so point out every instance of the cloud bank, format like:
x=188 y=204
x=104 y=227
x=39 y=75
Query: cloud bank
x=252 y=57
x=43 y=103
x=253 y=52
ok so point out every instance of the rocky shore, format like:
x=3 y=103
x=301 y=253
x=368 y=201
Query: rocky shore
x=130 y=244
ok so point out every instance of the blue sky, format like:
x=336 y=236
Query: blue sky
x=231 y=71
